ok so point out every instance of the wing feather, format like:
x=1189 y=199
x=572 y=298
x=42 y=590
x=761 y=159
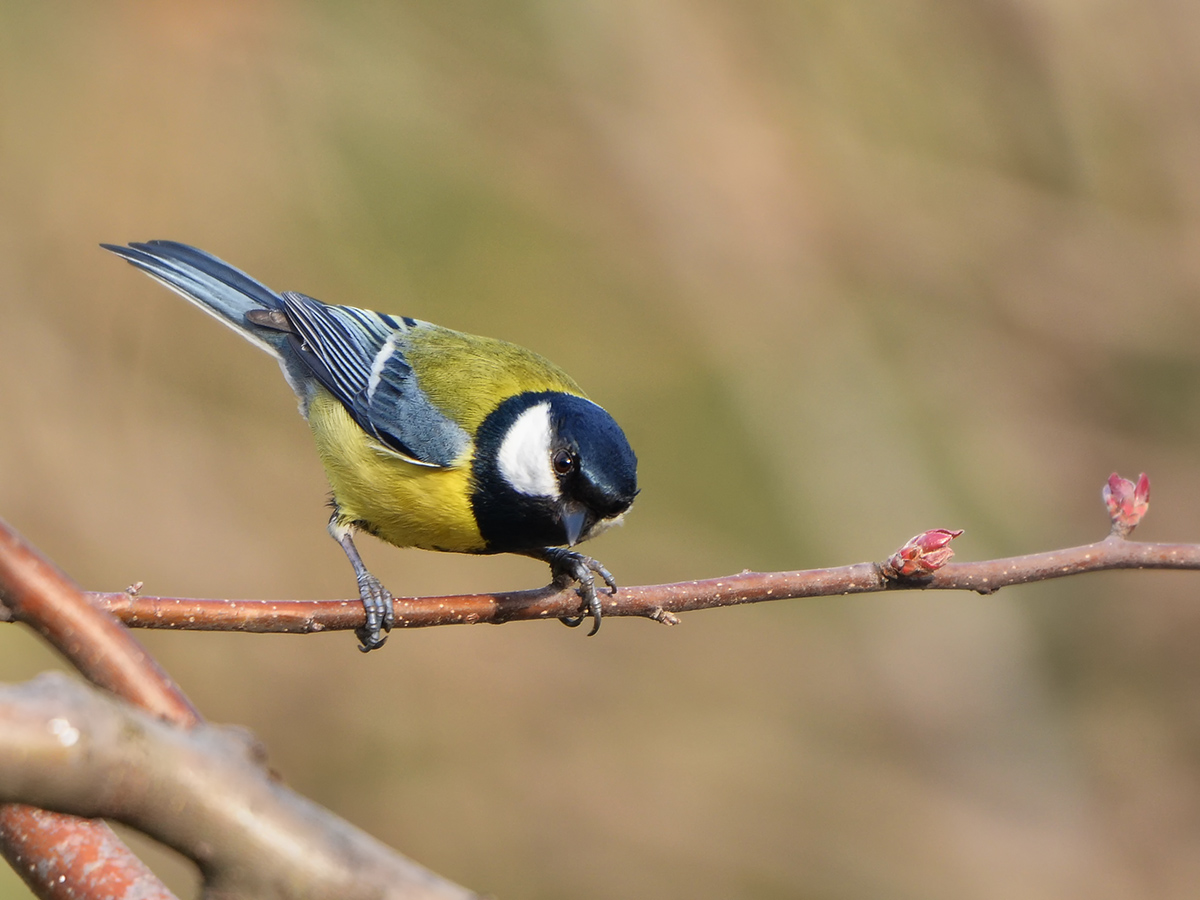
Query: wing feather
x=358 y=356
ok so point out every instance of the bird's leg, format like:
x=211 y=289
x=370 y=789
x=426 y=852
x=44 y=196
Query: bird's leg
x=567 y=566
x=376 y=601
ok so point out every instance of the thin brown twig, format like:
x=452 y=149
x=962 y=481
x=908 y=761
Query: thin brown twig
x=62 y=857
x=43 y=597
x=660 y=602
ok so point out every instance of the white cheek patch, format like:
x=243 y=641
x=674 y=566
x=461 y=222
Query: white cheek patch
x=524 y=457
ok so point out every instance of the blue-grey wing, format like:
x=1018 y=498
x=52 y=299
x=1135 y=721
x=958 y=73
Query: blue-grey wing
x=358 y=356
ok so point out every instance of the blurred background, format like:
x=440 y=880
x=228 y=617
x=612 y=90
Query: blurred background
x=844 y=271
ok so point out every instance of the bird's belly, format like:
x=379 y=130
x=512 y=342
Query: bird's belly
x=403 y=503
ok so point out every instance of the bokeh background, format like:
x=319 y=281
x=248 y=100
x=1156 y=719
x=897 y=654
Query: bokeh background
x=844 y=270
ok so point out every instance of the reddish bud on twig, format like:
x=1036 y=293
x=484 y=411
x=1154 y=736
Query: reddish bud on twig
x=921 y=556
x=1126 y=502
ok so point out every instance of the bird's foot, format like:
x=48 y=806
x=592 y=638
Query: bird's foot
x=381 y=613
x=568 y=566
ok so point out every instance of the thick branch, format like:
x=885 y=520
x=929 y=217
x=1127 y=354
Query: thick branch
x=201 y=790
x=258 y=841
x=653 y=601
x=56 y=855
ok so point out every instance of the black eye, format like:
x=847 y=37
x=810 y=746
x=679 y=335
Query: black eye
x=563 y=461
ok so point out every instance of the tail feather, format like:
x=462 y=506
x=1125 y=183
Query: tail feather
x=210 y=283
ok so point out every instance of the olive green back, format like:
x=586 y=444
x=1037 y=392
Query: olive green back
x=467 y=376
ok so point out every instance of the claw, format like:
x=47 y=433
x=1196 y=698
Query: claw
x=380 y=611
x=567 y=566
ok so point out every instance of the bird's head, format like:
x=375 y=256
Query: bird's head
x=550 y=469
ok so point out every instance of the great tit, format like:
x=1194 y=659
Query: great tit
x=429 y=437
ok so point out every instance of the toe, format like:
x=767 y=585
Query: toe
x=379 y=611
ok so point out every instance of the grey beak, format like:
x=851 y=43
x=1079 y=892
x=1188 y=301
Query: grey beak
x=573 y=517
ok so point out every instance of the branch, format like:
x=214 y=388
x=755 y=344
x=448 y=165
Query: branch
x=203 y=791
x=659 y=601
x=40 y=595
x=921 y=564
x=654 y=601
x=59 y=856
x=254 y=839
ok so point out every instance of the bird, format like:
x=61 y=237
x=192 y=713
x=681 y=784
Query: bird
x=429 y=437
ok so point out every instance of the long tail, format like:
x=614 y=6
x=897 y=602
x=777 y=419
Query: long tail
x=212 y=284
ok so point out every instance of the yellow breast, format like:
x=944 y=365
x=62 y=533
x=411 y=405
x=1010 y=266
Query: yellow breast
x=403 y=503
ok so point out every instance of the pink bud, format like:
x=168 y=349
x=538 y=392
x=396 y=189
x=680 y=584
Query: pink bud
x=1126 y=502
x=921 y=556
